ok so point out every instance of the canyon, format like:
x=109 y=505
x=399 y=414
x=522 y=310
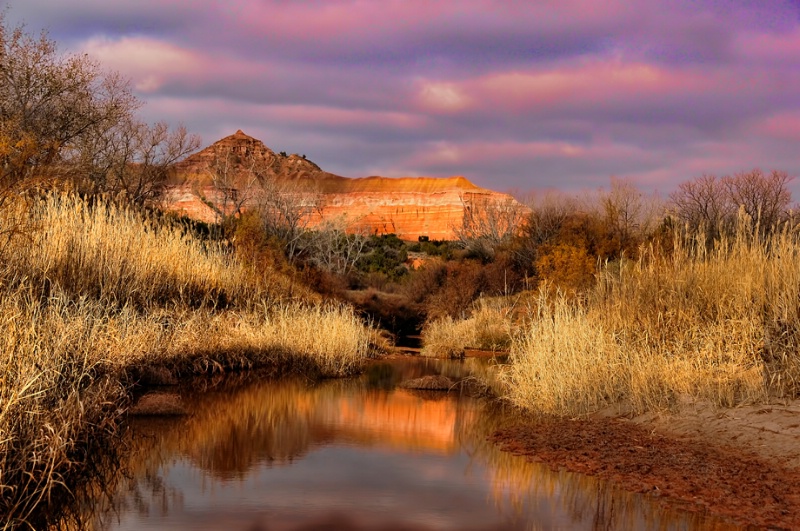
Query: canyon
x=236 y=172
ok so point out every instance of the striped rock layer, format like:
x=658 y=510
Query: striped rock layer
x=408 y=206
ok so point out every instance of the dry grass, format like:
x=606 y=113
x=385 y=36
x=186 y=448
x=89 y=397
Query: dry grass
x=123 y=257
x=446 y=337
x=720 y=325
x=95 y=293
x=489 y=327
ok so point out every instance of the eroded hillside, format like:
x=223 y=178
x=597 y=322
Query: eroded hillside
x=234 y=171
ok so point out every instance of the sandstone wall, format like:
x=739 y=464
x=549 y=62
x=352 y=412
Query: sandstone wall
x=409 y=206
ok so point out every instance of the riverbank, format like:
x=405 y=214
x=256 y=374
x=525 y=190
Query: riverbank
x=686 y=356
x=95 y=298
x=741 y=464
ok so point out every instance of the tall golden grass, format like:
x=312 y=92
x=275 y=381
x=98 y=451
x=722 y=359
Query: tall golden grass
x=489 y=326
x=719 y=324
x=93 y=292
x=122 y=256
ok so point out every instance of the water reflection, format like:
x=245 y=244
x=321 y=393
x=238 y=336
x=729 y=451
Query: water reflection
x=354 y=454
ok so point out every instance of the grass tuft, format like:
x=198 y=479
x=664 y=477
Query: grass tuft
x=721 y=325
x=489 y=327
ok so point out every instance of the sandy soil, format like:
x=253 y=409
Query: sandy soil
x=742 y=464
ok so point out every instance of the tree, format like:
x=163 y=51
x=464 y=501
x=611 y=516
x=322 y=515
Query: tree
x=287 y=209
x=547 y=217
x=62 y=119
x=628 y=214
x=132 y=159
x=335 y=247
x=712 y=204
x=243 y=179
x=49 y=103
x=488 y=222
x=567 y=266
x=764 y=198
x=703 y=205
x=234 y=183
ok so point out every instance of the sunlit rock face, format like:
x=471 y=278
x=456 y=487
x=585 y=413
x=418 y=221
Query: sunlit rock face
x=409 y=206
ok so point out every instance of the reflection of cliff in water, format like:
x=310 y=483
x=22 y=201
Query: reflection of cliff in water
x=346 y=440
x=233 y=428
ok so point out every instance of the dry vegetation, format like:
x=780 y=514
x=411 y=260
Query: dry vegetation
x=488 y=327
x=645 y=306
x=719 y=325
x=92 y=294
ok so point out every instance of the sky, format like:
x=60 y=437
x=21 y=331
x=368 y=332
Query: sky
x=514 y=95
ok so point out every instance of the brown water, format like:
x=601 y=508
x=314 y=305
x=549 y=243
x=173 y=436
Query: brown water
x=353 y=454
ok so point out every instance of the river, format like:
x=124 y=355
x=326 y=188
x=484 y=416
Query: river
x=352 y=454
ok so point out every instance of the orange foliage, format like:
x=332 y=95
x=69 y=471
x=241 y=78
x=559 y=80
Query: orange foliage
x=568 y=267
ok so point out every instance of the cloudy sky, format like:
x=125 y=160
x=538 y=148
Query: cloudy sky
x=523 y=95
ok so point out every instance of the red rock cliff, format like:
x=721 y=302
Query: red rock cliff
x=409 y=206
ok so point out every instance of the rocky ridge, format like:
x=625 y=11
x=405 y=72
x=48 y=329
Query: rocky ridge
x=409 y=206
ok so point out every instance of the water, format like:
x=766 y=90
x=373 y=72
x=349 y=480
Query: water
x=352 y=454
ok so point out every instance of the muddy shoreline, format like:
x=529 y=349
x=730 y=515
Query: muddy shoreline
x=740 y=464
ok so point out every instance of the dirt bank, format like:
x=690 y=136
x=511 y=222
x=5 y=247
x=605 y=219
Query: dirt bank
x=742 y=464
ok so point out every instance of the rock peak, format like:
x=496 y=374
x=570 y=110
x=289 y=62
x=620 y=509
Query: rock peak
x=238 y=135
x=408 y=206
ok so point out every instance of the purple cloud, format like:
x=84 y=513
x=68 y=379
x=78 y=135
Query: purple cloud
x=509 y=94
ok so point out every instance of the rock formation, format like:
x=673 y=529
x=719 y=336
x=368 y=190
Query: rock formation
x=234 y=168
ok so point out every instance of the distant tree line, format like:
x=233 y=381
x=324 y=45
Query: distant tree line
x=563 y=239
x=716 y=205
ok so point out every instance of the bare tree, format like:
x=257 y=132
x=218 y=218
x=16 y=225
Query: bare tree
x=63 y=119
x=703 y=205
x=131 y=159
x=629 y=213
x=155 y=150
x=243 y=179
x=488 y=222
x=712 y=205
x=548 y=215
x=764 y=198
x=335 y=246
x=235 y=183
x=49 y=104
x=287 y=209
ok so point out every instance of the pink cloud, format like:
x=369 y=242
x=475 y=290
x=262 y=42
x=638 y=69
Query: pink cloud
x=590 y=83
x=357 y=19
x=442 y=97
x=770 y=47
x=333 y=116
x=147 y=62
x=507 y=90
x=782 y=126
x=467 y=153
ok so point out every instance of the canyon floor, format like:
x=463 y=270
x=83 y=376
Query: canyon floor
x=742 y=464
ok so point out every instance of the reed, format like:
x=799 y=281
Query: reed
x=489 y=326
x=91 y=294
x=447 y=337
x=123 y=256
x=718 y=323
